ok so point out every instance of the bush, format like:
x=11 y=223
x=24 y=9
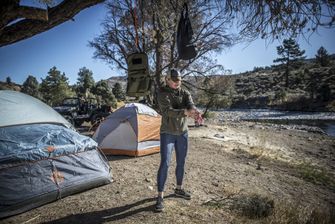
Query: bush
x=331 y=106
x=253 y=206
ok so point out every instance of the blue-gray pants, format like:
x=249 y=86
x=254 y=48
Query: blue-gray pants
x=167 y=144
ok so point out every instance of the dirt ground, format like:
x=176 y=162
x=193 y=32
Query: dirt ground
x=237 y=172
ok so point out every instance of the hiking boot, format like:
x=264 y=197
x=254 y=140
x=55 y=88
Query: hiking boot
x=182 y=193
x=159 y=207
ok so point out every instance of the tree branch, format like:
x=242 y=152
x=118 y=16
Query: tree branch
x=30 y=26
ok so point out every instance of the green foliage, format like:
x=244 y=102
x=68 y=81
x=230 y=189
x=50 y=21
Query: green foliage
x=118 y=92
x=289 y=52
x=322 y=57
x=290 y=55
x=104 y=94
x=85 y=82
x=280 y=95
x=31 y=87
x=55 y=87
x=316 y=175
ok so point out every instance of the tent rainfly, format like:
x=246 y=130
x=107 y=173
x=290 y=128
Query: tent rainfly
x=42 y=158
x=131 y=130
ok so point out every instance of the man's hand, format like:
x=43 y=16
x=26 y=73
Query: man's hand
x=191 y=113
x=195 y=114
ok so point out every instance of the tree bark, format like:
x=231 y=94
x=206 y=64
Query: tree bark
x=28 y=27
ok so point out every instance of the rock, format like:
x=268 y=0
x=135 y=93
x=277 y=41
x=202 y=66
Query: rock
x=219 y=135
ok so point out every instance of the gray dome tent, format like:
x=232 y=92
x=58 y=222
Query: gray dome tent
x=41 y=158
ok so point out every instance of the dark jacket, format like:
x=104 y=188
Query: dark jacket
x=172 y=103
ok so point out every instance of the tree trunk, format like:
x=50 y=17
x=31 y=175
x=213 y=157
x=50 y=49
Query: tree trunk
x=287 y=71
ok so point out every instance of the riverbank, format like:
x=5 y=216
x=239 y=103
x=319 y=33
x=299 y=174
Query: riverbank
x=322 y=122
x=237 y=172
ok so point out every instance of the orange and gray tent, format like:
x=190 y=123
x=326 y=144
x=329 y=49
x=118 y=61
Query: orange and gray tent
x=131 y=130
x=42 y=158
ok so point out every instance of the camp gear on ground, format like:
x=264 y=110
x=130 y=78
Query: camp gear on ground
x=131 y=130
x=185 y=47
x=41 y=159
x=139 y=80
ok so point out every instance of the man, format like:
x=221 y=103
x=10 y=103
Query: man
x=176 y=105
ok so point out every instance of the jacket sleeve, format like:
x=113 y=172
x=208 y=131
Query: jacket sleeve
x=188 y=100
x=166 y=107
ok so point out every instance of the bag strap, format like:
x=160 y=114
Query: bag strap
x=184 y=12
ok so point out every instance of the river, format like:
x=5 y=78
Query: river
x=323 y=120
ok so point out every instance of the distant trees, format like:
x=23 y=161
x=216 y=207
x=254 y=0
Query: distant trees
x=31 y=87
x=104 y=94
x=85 y=82
x=290 y=55
x=118 y=92
x=55 y=87
x=322 y=57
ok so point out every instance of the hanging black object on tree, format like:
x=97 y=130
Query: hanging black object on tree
x=186 y=50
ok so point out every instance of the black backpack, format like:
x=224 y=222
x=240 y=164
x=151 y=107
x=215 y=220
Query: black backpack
x=186 y=50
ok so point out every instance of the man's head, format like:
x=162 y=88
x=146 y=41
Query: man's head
x=173 y=79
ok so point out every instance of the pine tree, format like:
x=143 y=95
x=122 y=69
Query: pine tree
x=104 y=93
x=118 y=91
x=290 y=55
x=322 y=57
x=31 y=87
x=85 y=82
x=55 y=87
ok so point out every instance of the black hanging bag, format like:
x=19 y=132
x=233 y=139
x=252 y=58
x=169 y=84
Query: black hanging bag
x=186 y=50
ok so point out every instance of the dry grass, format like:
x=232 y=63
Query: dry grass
x=315 y=175
x=288 y=212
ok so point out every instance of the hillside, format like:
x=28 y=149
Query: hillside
x=309 y=89
x=9 y=86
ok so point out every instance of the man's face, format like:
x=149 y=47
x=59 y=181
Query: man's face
x=174 y=84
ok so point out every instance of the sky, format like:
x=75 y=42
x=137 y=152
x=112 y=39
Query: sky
x=66 y=47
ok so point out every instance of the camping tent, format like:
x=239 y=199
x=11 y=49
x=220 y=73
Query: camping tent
x=131 y=130
x=42 y=158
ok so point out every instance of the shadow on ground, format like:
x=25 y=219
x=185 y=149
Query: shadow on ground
x=112 y=214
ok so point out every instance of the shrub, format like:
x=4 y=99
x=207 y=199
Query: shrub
x=253 y=206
